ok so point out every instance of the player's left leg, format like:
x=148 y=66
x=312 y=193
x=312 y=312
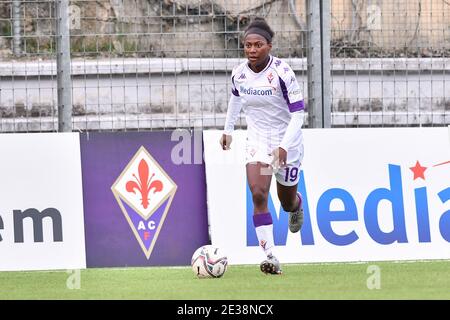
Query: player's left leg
x=290 y=198
x=291 y=201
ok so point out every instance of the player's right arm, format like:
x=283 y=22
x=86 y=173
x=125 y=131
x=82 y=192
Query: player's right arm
x=234 y=108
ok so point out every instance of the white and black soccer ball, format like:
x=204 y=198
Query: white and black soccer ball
x=209 y=262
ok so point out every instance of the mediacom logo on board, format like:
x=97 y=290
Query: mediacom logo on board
x=144 y=192
x=394 y=194
x=37 y=218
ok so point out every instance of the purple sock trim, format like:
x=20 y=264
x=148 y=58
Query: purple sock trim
x=262 y=219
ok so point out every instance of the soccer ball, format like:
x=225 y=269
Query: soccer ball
x=209 y=262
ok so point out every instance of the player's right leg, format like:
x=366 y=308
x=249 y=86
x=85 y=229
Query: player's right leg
x=259 y=183
x=271 y=266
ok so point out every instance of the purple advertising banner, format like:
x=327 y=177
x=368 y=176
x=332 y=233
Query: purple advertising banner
x=141 y=206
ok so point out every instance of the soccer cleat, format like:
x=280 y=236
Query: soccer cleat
x=271 y=266
x=296 y=217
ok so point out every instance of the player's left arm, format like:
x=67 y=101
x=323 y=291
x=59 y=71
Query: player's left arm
x=294 y=100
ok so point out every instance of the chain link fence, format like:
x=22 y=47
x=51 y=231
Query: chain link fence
x=390 y=62
x=27 y=68
x=151 y=65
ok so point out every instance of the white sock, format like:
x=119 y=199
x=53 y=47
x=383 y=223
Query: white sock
x=265 y=238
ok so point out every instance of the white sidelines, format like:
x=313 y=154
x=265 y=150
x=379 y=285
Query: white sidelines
x=361 y=177
x=40 y=176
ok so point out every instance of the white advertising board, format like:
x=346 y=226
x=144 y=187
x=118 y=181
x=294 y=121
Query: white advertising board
x=369 y=195
x=41 y=202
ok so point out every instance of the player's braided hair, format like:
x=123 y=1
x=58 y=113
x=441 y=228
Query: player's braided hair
x=260 y=26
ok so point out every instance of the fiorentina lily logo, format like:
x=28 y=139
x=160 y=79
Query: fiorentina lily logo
x=144 y=192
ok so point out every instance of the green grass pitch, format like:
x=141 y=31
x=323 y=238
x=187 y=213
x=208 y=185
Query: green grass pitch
x=397 y=280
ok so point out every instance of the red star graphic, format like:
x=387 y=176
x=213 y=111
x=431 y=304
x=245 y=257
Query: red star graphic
x=418 y=171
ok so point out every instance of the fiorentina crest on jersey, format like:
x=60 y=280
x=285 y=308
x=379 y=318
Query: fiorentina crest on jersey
x=144 y=192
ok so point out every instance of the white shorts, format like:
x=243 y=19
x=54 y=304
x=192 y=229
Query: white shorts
x=287 y=175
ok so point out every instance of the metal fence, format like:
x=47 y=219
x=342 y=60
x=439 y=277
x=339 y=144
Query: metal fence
x=390 y=62
x=150 y=65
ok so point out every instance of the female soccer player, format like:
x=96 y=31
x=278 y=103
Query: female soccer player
x=267 y=89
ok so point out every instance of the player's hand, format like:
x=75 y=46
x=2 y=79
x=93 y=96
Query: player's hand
x=279 y=157
x=225 y=141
